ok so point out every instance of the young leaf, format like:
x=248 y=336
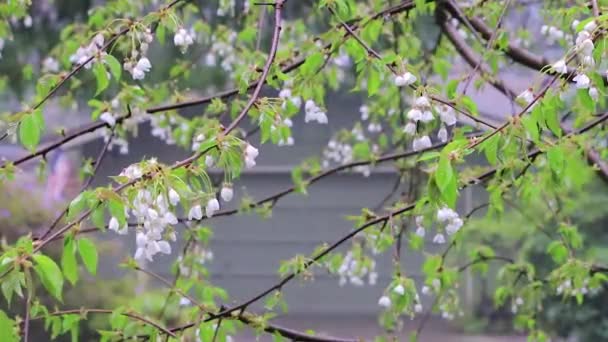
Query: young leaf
x=101 y=77
x=444 y=173
x=49 y=274
x=29 y=131
x=68 y=261
x=88 y=254
x=115 y=67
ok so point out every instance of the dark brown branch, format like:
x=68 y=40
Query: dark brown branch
x=278 y=8
x=88 y=182
x=248 y=318
x=472 y=59
x=514 y=51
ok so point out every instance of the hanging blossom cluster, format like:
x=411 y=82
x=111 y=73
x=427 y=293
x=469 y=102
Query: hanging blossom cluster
x=552 y=33
x=446 y=216
x=314 y=113
x=350 y=272
x=422 y=113
x=398 y=290
x=224 y=50
x=584 y=47
x=184 y=38
x=138 y=64
x=566 y=288
x=84 y=53
x=110 y=116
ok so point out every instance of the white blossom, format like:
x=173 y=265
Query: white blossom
x=183 y=39
x=527 y=96
x=418 y=308
x=213 y=205
x=594 y=93
x=399 y=289
x=414 y=114
x=251 y=153
x=439 y=239
x=560 y=67
x=113 y=225
x=227 y=193
x=442 y=135
x=314 y=113
x=410 y=128
x=582 y=81
x=384 y=302
x=405 y=79
x=421 y=143
x=209 y=161
x=173 y=197
x=420 y=231
x=422 y=101
x=108 y=118
x=50 y=64
x=364 y=110
x=195 y=213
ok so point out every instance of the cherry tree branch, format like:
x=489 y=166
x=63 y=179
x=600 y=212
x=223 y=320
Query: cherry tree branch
x=130 y=314
x=79 y=67
x=248 y=318
x=378 y=220
x=404 y=6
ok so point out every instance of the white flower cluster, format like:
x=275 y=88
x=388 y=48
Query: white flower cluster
x=213 y=205
x=525 y=98
x=516 y=304
x=50 y=64
x=224 y=50
x=399 y=290
x=422 y=111
x=566 y=288
x=138 y=70
x=289 y=141
x=138 y=64
x=338 y=152
x=584 y=49
x=451 y=218
x=314 y=113
x=162 y=129
x=286 y=95
x=452 y=221
x=153 y=216
x=364 y=110
x=405 y=79
x=349 y=272
x=434 y=288
x=84 y=53
x=251 y=153
x=184 y=38
x=552 y=33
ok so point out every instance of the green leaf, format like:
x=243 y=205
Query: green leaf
x=7 y=329
x=373 y=81
x=115 y=67
x=68 y=261
x=101 y=77
x=470 y=105
x=558 y=252
x=444 y=173
x=88 y=253
x=30 y=130
x=312 y=64
x=556 y=159
x=49 y=274
x=77 y=205
x=429 y=155
x=490 y=149
x=451 y=89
